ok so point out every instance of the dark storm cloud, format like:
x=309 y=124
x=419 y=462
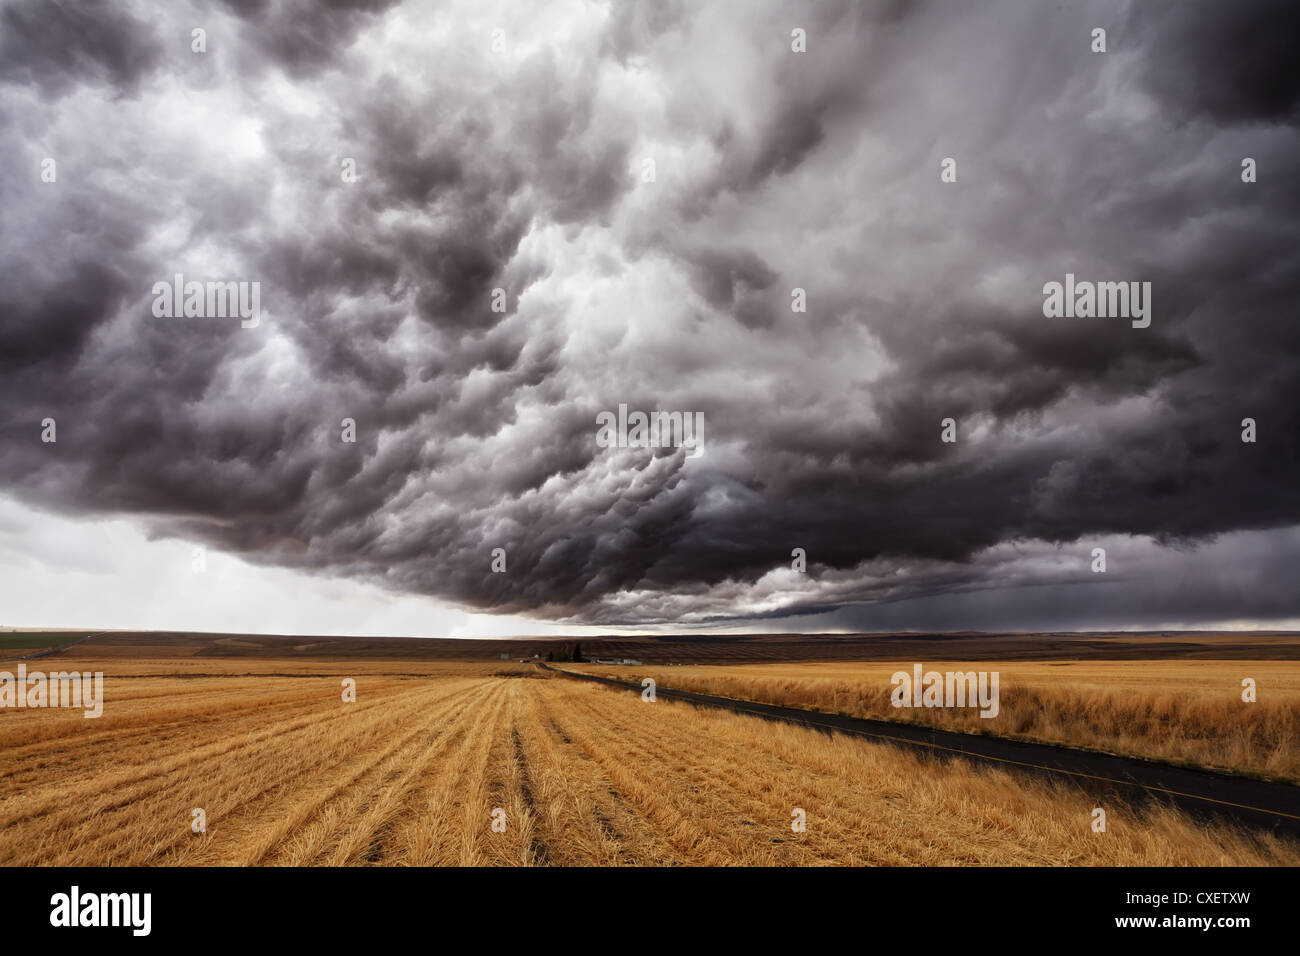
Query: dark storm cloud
x=736 y=282
x=299 y=36
x=56 y=45
x=521 y=170
x=1231 y=63
x=1238 y=578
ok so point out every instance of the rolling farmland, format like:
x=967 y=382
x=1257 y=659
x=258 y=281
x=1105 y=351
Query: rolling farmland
x=432 y=753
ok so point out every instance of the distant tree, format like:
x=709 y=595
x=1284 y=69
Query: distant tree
x=550 y=656
x=577 y=653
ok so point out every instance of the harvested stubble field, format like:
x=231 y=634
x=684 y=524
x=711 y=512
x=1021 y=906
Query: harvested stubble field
x=410 y=774
x=1188 y=711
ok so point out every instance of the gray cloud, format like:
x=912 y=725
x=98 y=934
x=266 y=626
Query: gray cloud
x=55 y=46
x=522 y=170
x=1227 y=63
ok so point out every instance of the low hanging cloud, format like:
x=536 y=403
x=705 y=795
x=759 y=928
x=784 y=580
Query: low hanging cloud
x=647 y=184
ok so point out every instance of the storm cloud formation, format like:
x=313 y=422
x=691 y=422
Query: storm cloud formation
x=505 y=146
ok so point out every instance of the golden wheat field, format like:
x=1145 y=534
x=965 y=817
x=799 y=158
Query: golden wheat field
x=411 y=773
x=1185 y=711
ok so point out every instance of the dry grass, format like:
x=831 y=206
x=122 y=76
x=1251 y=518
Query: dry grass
x=1184 y=711
x=411 y=772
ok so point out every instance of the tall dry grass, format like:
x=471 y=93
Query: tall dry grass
x=1189 y=712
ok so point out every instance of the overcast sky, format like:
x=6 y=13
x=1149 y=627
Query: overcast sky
x=510 y=146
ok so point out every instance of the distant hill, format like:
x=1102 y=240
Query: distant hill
x=683 y=648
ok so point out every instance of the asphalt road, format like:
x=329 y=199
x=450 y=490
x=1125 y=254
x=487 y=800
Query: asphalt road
x=1204 y=793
